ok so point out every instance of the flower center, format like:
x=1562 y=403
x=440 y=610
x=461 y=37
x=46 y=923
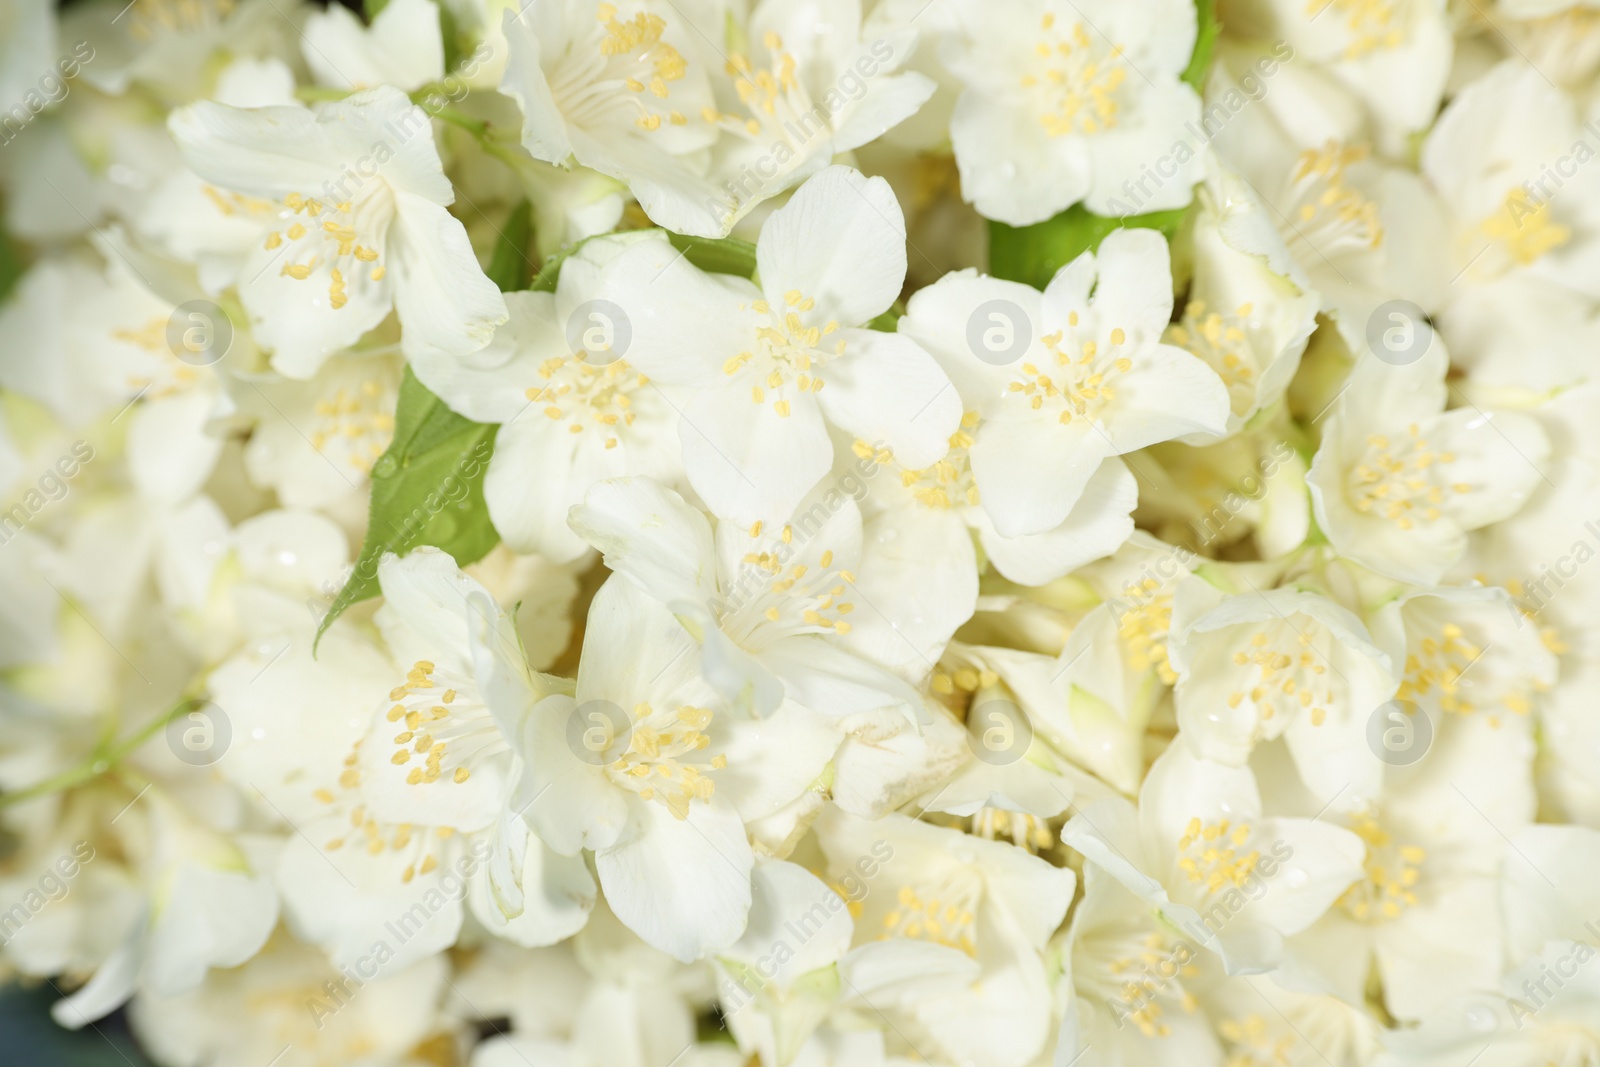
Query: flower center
x=626 y=65
x=1284 y=680
x=946 y=484
x=656 y=767
x=1143 y=628
x=1076 y=386
x=1251 y=1044
x=1370 y=23
x=784 y=353
x=1392 y=872
x=774 y=98
x=1524 y=231
x=370 y=834
x=170 y=375
x=1219 y=339
x=1325 y=214
x=1208 y=854
x=445 y=732
x=320 y=235
x=357 y=420
x=1026 y=831
x=576 y=390
x=1075 y=80
x=1397 y=480
x=796 y=597
x=1138 y=973
x=942 y=913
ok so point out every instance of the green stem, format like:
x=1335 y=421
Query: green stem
x=104 y=759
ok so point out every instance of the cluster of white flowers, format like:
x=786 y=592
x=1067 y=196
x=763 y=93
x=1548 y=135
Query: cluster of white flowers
x=831 y=533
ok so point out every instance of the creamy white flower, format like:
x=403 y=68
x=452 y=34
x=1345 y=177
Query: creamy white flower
x=1200 y=848
x=208 y=907
x=625 y=768
x=989 y=900
x=1282 y=663
x=1466 y=652
x=402 y=792
x=289 y=1002
x=355 y=190
x=570 y=414
x=617 y=88
x=1093 y=382
x=1543 y=1011
x=1508 y=161
x=771 y=607
x=1399 y=481
x=1127 y=983
x=1360 y=228
x=402 y=47
x=1426 y=911
x=170 y=46
x=315 y=440
x=1066 y=102
x=940 y=503
x=1250 y=311
x=767 y=368
x=809 y=84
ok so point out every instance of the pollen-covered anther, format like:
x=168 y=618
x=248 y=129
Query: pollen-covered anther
x=1400 y=480
x=341 y=249
x=1209 y=854
x=656 y=767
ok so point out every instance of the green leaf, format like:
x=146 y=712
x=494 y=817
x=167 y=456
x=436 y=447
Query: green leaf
x=372 y=8
x=11 y=266
x=509 y=267
x=1204 y=43
x=727 y=255
x=427 y=489
x=1033 y=254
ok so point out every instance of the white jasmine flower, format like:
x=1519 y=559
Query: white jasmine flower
x=808 y=85
x=357 y=225
x=315 y=440
x=774 y=616
x=1093 y=382
x=1200 y=848
x=1506 y=159
x=617 y=87
x=1282 y=663
x=768 y=368
x=1394 y=57
x=1425 y=911
x=289 y=996
x=989 y=900
x=1063 y=102
x=625 y=767
x=1398 y=481
x=402 y=47
x=1249 y=312
x=570 y=415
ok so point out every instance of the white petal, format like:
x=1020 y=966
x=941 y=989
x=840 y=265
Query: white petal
x=649 y=534
x=683 y=885
x=445 y=301
x=885 y=390
x=840 y=240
